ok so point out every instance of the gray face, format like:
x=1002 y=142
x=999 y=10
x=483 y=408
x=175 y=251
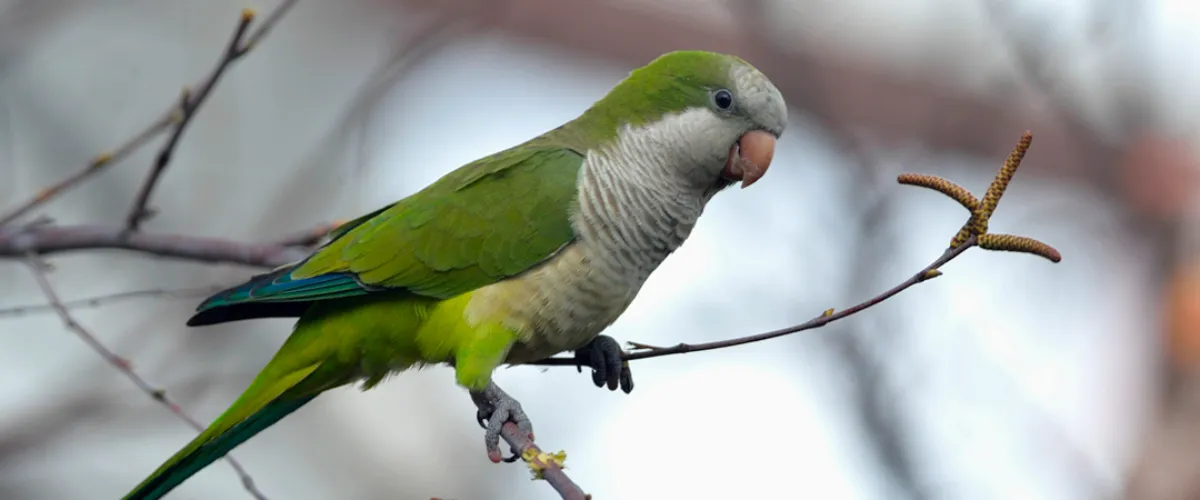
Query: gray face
x=693 y=146
x=758 y=100
x=748 y=102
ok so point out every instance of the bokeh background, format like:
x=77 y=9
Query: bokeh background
x=1007 y=378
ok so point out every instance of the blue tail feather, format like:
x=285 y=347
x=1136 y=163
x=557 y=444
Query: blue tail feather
x=274 y=295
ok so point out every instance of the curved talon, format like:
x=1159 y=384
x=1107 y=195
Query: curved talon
x=600 y=365
x=604 y=356
x=626 y=378
x=498 y=408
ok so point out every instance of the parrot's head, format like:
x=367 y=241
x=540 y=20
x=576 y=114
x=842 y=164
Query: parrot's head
x=713 y=117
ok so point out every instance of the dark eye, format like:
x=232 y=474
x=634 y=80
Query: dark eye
x=723 y=99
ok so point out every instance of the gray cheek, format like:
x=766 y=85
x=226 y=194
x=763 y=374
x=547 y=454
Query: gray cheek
x=710 y=147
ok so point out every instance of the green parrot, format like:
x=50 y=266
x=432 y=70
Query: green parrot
x=515 y=257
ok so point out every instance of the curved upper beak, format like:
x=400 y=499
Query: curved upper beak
x=750 y=157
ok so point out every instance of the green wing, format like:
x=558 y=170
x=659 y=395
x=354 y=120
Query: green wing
x=486 y=221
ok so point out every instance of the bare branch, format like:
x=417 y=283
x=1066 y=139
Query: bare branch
x=159 y=126
x=48 y=239
x=35 y=240
x=15 y=242
x=869 y=392
x=100 y=162
x=189 y=104
x=647 y=351
x=544 y=465
x=124 y=366
x=265 y=27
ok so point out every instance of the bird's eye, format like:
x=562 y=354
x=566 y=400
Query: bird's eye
x=723 y=99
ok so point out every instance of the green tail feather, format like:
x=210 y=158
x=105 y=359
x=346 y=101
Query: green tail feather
x=206 y=449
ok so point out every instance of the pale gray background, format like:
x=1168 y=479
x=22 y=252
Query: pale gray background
x=1007 y=378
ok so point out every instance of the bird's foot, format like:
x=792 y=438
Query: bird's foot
x=495 y=409
x=603 y=356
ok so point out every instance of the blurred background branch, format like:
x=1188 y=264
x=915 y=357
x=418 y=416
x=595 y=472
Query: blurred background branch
x=42 y=237
x=125 y=367
x=1078 y=387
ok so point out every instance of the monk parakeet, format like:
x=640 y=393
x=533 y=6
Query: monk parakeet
x=515 y=257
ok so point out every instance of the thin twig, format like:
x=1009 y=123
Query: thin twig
x=973 y=233
x=265 y=26
x=53 y=239
x=31 y=240
x=1033 y=61
x=47 y=239
x=124 y=366
x=829 y=316
x=96 y=165
x=877 y=402
x=189 y=104
x=100 y=300
x=154 y=129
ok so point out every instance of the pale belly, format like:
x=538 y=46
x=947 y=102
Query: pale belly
x=560 y=306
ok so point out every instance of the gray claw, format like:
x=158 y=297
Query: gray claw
x=498 y=408
x=603 y=356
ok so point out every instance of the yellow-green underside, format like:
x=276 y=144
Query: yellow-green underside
x=372 y=336
x=338 y=342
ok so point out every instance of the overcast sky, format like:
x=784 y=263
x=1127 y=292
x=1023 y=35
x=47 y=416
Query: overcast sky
x=1007 y=360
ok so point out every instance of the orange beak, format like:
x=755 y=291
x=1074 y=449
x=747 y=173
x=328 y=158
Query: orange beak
x=749 y=157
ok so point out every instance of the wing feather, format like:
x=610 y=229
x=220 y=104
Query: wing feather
x=484 y=222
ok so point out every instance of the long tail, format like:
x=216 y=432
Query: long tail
x=312 y=360
x=274 y=394
x=201 y=452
